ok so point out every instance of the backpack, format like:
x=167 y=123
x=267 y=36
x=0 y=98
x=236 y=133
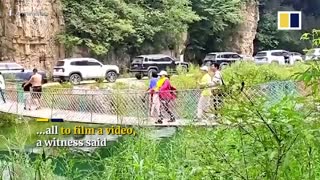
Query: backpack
x=223 y=84
x=219 y=91
x=173 y=91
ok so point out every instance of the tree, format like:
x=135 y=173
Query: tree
x=217 y=16
x=104 y=24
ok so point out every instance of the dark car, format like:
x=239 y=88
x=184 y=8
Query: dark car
x=14 y=71
x=145 y=65
x=221 y=58
x=25 y=76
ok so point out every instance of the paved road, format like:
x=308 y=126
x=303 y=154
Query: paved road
x=130 y=81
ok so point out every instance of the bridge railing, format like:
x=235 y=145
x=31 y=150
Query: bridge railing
x=135 y=105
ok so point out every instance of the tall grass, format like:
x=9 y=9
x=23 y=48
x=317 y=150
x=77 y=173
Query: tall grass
x=252 y=74
x=193 y=153
x=241 y=71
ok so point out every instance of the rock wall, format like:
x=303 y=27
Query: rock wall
x=27 y=32
x=241 y=41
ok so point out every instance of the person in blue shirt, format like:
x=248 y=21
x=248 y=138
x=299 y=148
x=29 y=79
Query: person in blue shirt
x=154 y=102
x=153 y=81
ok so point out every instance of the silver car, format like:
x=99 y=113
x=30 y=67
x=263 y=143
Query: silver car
x=221 y=58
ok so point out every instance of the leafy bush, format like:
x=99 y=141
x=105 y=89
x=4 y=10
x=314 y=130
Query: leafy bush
x=245 y=71
x=187 y=80
x=7 y=119
x=252 y=74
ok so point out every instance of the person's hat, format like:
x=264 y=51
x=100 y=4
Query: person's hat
x=163 y=73
x=204 y=68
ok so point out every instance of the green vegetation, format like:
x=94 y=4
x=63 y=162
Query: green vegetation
x=106 y=24
x=247 y=150
x=253 y=141
x=245 y=71
x=138 y=27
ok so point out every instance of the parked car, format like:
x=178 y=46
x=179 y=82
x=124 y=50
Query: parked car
x=76 y=70
x=273 y=56
x=296 y=57
x=27 y=75
x=16 y=72
x=221 y=58
x=246 y=57
x=145 y=65
x=313 y=54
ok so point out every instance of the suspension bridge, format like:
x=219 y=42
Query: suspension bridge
x=123 y=107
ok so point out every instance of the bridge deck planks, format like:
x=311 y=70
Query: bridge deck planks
x=93 y=118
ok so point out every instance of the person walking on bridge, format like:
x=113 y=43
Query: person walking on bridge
x=36 y=89
x=216 y=83
x=154 y=101
x=216 y=76
x=26 y=96
x=2 y=87
x=166 y=94
x=204 y=101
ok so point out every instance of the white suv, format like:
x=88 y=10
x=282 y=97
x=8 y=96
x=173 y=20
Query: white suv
x=274 y=56
x=313 y=54
x=77 y=69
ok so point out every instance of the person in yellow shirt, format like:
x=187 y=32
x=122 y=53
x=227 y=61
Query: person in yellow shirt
x=161 y=80
x=204 y=101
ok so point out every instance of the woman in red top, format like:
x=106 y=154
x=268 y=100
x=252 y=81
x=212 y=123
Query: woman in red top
x=166 y=95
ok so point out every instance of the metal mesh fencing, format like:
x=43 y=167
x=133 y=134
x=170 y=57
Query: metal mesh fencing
x=133 y=107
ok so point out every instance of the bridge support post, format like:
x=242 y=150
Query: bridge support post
x=20 y=98
x=17 y=104
x=52 y=105
x=91 y=114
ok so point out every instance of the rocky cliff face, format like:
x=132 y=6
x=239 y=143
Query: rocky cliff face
x=241 y=41
x=27 y=32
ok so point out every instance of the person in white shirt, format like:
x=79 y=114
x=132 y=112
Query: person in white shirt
x=216 y=84
x=2 y=87
x=216 y=76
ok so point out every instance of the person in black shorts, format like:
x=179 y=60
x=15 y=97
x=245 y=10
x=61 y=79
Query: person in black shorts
x=36 y=92
x=36 y=89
